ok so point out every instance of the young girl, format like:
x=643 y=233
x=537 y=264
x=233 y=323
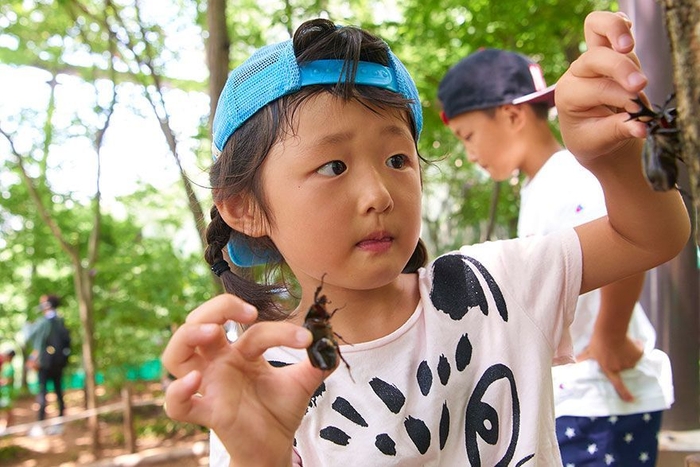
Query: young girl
x=317 y=169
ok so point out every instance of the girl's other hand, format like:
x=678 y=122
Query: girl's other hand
x=594 y=96
x=253 y=408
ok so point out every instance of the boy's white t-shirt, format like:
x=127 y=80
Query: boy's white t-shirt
x=563 y=194
x=466 y=380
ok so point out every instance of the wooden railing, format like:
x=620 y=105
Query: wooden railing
x=126 y=405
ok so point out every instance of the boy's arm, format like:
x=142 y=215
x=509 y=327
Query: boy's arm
x=609 y=345
x=644 y=228
x=38 y=334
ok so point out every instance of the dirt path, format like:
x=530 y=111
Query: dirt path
x=160 y=441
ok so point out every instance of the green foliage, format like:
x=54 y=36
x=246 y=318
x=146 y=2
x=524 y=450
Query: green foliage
x=143 y=281
x=143 y=286
x=148 y=275
x=11 y=452
x=432 y=36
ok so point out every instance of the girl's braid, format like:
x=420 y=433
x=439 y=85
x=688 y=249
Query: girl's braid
x=218 y=234
x=260 y=296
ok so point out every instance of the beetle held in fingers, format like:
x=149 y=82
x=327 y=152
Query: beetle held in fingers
x=324 y=351
x=662 y=147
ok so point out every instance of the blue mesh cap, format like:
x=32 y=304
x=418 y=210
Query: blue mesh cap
x=272 y=72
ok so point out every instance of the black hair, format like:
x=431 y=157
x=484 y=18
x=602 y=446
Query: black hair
x=53 y=300
x=540 y=109
x=237 y=170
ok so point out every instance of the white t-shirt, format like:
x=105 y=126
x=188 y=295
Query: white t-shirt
x=466 y=380
x=563 y=194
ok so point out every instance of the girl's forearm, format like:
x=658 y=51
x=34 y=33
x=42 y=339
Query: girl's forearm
x=643 y=228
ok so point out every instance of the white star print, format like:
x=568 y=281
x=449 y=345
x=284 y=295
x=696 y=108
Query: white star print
x=646 y=417
x=629 y=438
x=592 y=448
x=644 y=456
x=609 y=459
x=613 y=419
x=570 y=432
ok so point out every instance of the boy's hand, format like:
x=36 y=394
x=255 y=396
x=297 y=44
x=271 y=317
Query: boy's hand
x=595 y=94
x=614 y=357
x=253 y=408
x=33 y=361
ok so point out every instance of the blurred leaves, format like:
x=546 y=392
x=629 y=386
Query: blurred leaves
x=148 y=275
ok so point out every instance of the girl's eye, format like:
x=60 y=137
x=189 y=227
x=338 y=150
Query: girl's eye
x=398 y=161
x=333 y=168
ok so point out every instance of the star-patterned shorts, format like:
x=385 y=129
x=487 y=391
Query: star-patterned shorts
x=618 y=440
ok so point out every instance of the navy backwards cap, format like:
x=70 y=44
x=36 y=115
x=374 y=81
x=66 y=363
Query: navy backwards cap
x=490 y=78
x=273 y=72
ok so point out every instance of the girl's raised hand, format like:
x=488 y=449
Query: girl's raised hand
x=595 y=94
x=253 y=408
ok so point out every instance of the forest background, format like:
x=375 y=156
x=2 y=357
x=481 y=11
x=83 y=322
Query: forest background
x=105 y=143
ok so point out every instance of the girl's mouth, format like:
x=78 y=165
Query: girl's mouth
x=376 y=243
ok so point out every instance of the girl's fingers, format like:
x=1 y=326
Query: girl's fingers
x=181 y=398
x=611 y=132
x=264 y=335
x=191 y=345
x=633 y=56
x=308 y=376
x=202 y=335
x=605 y=29
x=223 y=308
x=602 y=100
x=602 y=94
x=615 y=131
x=605 y=62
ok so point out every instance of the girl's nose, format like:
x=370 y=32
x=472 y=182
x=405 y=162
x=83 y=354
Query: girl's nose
x=374 y=194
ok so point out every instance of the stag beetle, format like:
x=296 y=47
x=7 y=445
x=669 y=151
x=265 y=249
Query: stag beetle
x=662 y=146
x=324 y=350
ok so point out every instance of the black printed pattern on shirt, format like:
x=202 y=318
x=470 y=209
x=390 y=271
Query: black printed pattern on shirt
x=457 y=289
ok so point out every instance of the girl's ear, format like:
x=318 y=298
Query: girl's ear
x=240 y=214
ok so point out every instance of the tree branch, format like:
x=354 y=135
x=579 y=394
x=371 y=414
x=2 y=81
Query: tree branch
x=42 y=209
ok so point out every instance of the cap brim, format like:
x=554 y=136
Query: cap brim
x=543 y=95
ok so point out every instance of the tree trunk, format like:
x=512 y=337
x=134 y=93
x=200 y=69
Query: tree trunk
x=82 y=267
x=670 y=297
x=83 y=287
x=218 y=50
x=218 y=47
x=682 y=18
